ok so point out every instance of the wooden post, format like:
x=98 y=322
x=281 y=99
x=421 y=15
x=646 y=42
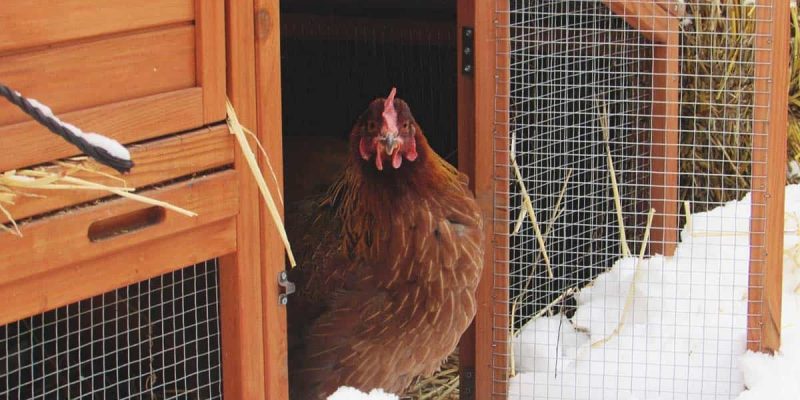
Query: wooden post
x=769 y=175
x=243 y=366
x=664 y=167
x=491 y=170
x=268 y=93
x=465 y=17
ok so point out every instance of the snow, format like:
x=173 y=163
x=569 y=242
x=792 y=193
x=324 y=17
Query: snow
x=111 y=146
x=348 y=393
x=683 y=335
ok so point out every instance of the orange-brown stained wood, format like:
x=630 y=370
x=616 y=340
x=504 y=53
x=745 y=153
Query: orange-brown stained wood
x=665 y=142
x=26 y=24
x=63 y=239
x=491 y=59
x=210 y=24
x=466 y=163
x=649 y=18
x=268 y=89
x=111 y=270
x=89 y=74
x=127 y=121
x=502 y=145
x=676 y=8
x=769 y=165
x=241 y=273
x=156 y=162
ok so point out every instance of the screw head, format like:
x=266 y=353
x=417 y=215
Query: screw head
x=284 y=300
x=468 y=32
x=467 y=68
x=467 y=50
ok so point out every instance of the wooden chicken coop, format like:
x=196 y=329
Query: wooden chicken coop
x=108 y=297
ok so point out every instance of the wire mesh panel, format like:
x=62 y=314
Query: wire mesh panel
x=155 y=339
x=635 y=198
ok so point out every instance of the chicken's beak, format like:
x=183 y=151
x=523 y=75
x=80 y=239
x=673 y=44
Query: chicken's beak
x=389 y=143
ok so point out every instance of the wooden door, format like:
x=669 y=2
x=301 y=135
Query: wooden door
x=155 y=76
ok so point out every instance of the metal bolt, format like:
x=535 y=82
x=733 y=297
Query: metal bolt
x=284 y=300
x=284 y=276
x=468 y=32
x=467 y=68
x=467 y=50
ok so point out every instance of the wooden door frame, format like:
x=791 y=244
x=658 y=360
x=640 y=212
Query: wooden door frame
x=254 y=354
x=477 y=132
x=254 y=89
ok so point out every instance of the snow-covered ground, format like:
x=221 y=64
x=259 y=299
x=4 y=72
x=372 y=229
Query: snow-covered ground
x=680 y=334
x=683 y=333
x=348 y=393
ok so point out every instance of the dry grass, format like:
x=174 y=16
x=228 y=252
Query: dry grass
x=442 y=385
x=716 y=95
x=793 y=145
x=16 y=185
x=238 y=130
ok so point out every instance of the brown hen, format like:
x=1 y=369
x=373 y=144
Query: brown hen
x=389 y=260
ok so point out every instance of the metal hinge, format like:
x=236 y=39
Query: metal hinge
x=288 y=288
x=467 y=50
x=466 y=385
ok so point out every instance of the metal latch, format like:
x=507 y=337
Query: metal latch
x=467 y=50
x=288 y=288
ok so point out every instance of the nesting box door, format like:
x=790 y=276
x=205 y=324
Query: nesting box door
x=133 y=70
x=120 y=298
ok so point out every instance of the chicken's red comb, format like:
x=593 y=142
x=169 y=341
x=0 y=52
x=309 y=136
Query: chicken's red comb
x=389 y=113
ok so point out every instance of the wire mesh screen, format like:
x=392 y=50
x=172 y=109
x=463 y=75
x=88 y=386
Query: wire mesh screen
x=632 y=143
x=155 y=339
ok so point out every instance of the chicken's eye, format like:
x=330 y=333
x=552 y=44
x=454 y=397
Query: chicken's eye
x=370 y=125
x=405 y=125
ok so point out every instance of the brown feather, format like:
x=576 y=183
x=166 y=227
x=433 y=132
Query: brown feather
x=386 y=278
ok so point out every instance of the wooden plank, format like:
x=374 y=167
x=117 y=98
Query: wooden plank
x=28 y=25
x=664 y=156
x=40 y=249
x=465 y=17
x=126 y=121
x=769 y=166
x=113 y=270
x=645 y=16
x=211 y=58
x=156 y=162
x=241 y=278
x=676 y=8
x=500 y=229
x=99 y=72
x=491 y=127
x=268 y=106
